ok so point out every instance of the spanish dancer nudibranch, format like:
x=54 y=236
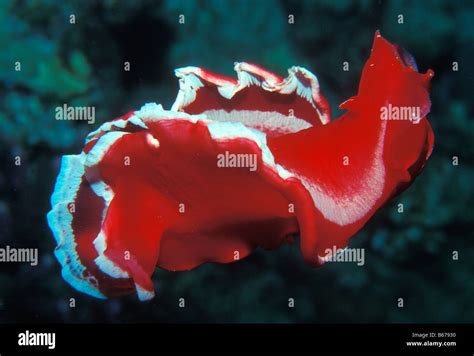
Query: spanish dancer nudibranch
x=237 y=164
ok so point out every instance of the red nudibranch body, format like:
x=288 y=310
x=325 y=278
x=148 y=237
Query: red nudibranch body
x=237 y=164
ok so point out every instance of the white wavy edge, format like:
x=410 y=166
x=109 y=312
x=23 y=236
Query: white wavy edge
x=191 y=79
x=60 y=220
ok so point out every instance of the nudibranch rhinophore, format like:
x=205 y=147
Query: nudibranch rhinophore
x=236 y=164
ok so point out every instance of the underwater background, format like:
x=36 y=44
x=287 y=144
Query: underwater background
x=408 y=255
